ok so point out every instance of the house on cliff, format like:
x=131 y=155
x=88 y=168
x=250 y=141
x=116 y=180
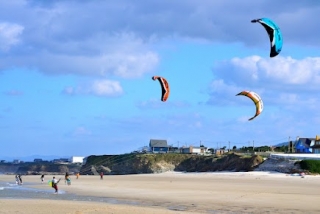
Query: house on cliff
x=158 y=146
x=316 y=146
x=161 y=146
x=304 y=145
x=200 y=150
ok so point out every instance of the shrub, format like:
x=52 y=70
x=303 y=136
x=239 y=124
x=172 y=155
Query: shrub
x=312 y=166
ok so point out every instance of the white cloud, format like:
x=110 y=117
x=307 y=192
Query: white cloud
x=106 y=88
x=220 y=85
x=131 y=61
x=290 y=82
x=218 y=89
x=117 y=38
x=255 y=70
x=9 y=35
x=128 y=65
x=290 y=71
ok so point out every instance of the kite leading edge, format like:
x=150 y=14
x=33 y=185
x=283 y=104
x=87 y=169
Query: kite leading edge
x=274 y=33
x=164 y=87
x=256 y=99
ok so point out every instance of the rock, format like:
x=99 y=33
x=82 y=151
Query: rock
x=32 y=168
x=279 y=165
x=158 y=163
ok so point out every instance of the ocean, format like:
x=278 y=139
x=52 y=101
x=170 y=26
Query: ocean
x=11 y=190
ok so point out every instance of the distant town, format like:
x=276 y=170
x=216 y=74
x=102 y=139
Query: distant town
x=73 y=159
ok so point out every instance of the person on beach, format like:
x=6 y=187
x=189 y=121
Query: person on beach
x=66 y=178
x=77 y=175
x=55 y=184
x=20 y=179
x=42 y=178
x=101 y=175
x=17 y=180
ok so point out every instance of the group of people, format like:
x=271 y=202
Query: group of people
x=54 y=181
x=67 y=180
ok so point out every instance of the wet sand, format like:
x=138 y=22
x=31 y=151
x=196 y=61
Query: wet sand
x=244 y=192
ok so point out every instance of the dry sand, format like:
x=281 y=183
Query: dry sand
x=229 y=192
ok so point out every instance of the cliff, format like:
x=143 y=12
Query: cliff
x=157 y=163
x=280 y=165
x=38 y=168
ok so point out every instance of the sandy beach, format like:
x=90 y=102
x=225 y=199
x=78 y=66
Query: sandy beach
x=172 y=192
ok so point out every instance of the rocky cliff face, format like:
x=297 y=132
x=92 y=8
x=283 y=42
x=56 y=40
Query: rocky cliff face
x=38 y=168
x=280 y=165
x=232 y=162
x=8 y=168
x=157 y=163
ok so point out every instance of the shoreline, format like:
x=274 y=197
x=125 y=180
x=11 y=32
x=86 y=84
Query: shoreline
x=205 y=192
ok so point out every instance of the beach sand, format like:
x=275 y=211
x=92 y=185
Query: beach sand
x=173 y=192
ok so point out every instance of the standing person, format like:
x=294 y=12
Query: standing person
x=17 y=180
x=101 y=175
x=42 y=178
x=66 y=178
x=20 y=179
x=55 y=184
x=77 y=175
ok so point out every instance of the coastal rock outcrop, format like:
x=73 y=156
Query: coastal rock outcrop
x=157 y=163
x=38 y=168
x=280 y=165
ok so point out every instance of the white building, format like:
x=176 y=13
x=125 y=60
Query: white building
x=76 y=159
x=200 y=150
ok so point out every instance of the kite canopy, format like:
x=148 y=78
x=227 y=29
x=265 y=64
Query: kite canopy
x=274 y=33
x=256 y=99
x=164 y=86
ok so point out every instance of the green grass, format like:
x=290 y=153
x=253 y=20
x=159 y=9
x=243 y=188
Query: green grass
x=312 y=166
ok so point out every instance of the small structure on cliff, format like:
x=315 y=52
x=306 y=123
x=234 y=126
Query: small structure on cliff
x=158 y=146
x=76 y=159
x=200 y=150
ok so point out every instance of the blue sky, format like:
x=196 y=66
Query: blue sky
x=75 y=76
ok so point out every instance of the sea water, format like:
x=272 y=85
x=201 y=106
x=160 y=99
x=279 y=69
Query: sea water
x=11 y=190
